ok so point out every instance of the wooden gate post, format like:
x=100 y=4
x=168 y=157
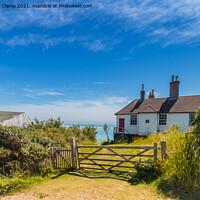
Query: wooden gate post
x=155 y=151
x=163 y=150
x=73 y=151
x=52 y=156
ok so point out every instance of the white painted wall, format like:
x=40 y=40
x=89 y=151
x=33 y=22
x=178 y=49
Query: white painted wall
x=130 y=128
x=182 y=119
x=145 y=129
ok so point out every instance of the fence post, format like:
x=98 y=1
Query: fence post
x=163 y=150
x=73 y=151
x=77 y=155
x=155 y=151
x=52 y=156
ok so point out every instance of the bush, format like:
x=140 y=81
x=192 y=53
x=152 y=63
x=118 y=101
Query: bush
x=54 y=130
x=23 y=151
x=147 y=170
x=26 y=150
x=197 y=121
x=90 y=132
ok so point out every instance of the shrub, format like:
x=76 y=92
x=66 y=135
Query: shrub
x=147 y=170
x=54 y=130
x=23 y=151
x=197 y=121
x=90 y=132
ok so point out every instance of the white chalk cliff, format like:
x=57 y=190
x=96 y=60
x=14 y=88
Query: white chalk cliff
x=14 y=118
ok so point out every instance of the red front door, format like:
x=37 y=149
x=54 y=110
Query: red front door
x=121 y=124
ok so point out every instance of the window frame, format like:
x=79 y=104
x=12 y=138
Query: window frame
x=162 y=121
x=147 y=121
x=132 y=120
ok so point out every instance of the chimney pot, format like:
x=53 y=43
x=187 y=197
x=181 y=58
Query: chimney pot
x=176 y=78
x=151 y=95
x=173 y=78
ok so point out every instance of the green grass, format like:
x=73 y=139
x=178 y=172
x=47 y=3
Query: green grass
x=96 y=185
x=12 y=185
x=88 y=185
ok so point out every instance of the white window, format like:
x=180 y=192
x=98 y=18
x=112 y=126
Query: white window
x=133 y=120
x=191 y=119
x=163 y=119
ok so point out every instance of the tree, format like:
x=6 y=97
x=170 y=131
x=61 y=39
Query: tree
x=106 y=129
x=197 y=120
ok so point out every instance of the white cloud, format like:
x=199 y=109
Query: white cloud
x=168 y=22
x=25 y=40
x=41 y=92
x=102 y=83
x=49 y=41
x=76 y=111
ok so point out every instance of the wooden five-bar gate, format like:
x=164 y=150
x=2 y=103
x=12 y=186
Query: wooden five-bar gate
x=104 y=157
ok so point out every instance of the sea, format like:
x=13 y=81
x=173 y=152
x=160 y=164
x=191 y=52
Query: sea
x=101 y=135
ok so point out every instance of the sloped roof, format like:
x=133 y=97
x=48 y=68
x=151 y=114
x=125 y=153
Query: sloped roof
x=184 y=104
x=148 y=109
x=5 y=115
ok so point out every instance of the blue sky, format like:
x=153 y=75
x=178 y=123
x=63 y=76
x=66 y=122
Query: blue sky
x=86 y=64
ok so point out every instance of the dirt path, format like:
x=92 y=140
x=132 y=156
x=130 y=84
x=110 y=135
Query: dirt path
x=78 y=186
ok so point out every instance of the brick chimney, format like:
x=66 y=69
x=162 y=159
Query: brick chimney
x=142 y=93
x=151 y=95
x=174 y=88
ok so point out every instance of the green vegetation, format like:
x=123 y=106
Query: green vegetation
x=89 y=185
x=16 y=184
x=60 y=135
x=25 y=151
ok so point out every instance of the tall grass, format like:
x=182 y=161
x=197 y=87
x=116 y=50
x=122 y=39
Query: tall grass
x=182 y=168
x=183 y=165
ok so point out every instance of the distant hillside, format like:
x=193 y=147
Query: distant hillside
x=14 y=118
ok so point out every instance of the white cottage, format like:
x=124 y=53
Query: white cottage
x=146 y=116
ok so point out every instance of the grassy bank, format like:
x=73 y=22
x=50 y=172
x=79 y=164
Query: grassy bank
x=16 y=184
